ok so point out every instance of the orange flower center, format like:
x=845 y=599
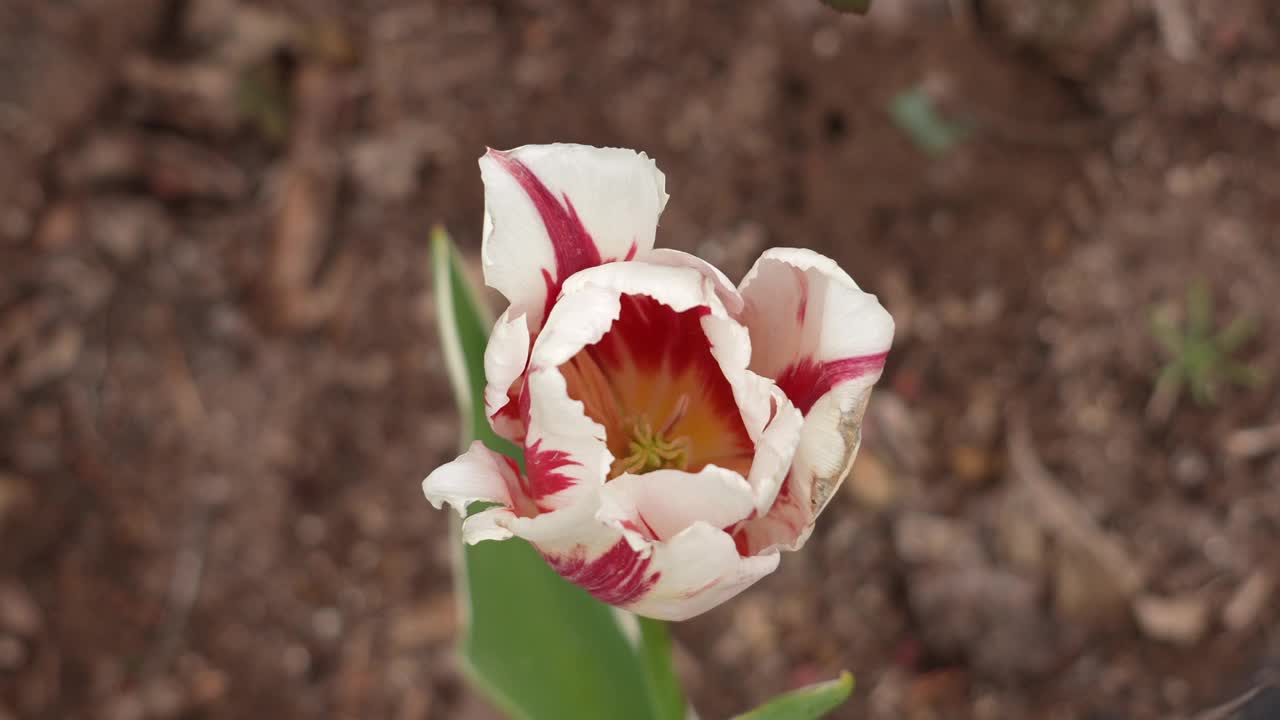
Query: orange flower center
x=662 y=398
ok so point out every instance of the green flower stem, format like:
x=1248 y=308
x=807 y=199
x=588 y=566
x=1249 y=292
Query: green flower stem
x=665 y=693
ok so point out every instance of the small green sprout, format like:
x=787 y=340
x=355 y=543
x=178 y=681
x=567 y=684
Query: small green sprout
x=262 y=100
x=916 y=114
x=1200 y=356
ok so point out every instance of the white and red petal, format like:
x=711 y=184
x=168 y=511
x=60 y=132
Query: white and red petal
x=652 y=544
x=553 y=210
x=478 y=475
x=695 y=571
x=565 y=454
x=673 y=336
x=488 y=524
x=786 y=526
x=657 y=506
x=618 y=575
x=505 y=359
x=813 y=327
x=673 y=523
x=631 y=339
x=571 y=528
x=724 y=287
x=731 y=348
x=824 y=341
x=589 y=553
x=775 y=452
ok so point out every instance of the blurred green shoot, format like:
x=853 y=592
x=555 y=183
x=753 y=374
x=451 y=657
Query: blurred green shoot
x=916 y=114
x=861 y=7
x=1200 y=356
x=807 y=703
x=262 y=99
x=263 y=96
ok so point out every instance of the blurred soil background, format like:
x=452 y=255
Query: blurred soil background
x=220 y=388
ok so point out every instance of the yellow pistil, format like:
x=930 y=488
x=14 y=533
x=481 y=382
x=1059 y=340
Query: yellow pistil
x=651 y=450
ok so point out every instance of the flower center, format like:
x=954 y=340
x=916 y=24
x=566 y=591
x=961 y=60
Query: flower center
x=661 y=396
x=652 y=449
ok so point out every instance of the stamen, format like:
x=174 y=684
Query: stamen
x=677 y=414
x=649 y=451
x=599 y=395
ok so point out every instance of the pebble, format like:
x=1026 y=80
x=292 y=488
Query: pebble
x=13 y=654
x=327 y=623
x=871 y=483
x=924 y=538
x=1084 y=592
x=971 y=464
x=752 y=620
x=991 y=617
x=59 y=227
x=1019 y=539
x=1247 y=604
x=296 y=660
x=19 y=613
x=893 y=422
x=1180 y=620
x=1190 y=468
x=13 y=496
x=125 y=228
x=163 y=698
x=386 y=167
x=125 y=707
x=209 y=685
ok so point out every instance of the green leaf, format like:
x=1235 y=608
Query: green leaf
x=464 y=321
x=807 y=703
x=1199 y=310
x=539 y=647
x=655 y=655
x=1240 y=331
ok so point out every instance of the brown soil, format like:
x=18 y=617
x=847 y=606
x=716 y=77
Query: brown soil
x=219 y=385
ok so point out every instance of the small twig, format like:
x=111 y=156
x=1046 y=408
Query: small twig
x=1177 y=29
x=1228 y=709
x=189 y=560
x=184 y=583
x=1064 y=515
x=1252 y=442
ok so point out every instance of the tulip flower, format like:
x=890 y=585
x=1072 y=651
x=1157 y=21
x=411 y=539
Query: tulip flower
x=678 y=432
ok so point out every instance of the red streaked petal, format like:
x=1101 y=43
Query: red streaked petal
x=786 y=526
x=806 y=380
x=699 y=568
x=545 y=472
x=505 y=359
x=812 y=327
x=775 y=451
x=618 y=576
x=572 y=245
x=565 y=452
x=554 y=210
x=824 y=341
